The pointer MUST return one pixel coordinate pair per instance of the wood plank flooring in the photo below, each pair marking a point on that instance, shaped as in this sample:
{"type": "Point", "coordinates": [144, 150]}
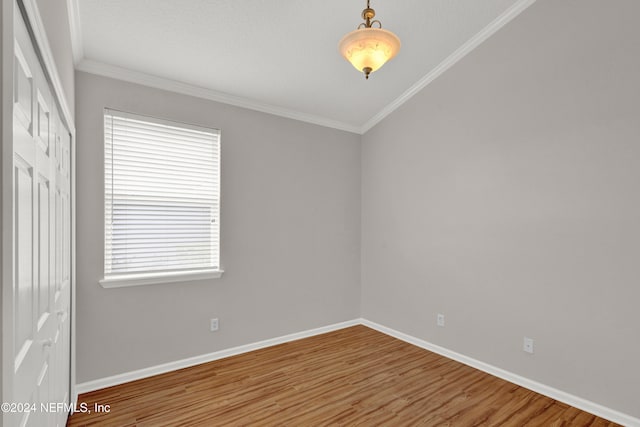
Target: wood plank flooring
{"type": "Point", "coordinates": [354, 376]}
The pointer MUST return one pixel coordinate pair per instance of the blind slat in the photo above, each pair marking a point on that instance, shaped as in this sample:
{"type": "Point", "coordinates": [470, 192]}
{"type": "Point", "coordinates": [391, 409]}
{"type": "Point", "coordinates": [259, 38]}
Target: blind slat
{"type": "Point", "coordinates": [159, 270]}
{"type": "Point", "coordinates": [158, 154]}
{"type": "Point", "coordinates": [143, 125]}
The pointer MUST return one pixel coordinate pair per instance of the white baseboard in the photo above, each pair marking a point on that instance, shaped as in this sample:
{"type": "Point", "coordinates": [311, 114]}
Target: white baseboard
{"type": "Point", "coordinates": [553, 393]}
{"type": "Point", "coordinates": [192, 361]}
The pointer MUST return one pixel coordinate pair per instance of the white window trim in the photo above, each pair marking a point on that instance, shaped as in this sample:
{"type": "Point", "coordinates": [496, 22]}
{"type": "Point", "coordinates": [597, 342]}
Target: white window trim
{"type": "Point", "coordinates": [126, 280]}
{"type": "Point", "coordinates": [154, 278]}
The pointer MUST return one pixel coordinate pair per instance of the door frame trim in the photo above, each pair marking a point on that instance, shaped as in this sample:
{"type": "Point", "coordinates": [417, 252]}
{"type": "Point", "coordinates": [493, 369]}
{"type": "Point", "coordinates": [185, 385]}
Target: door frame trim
{"type": "Point", "coordinates": [6, 231]}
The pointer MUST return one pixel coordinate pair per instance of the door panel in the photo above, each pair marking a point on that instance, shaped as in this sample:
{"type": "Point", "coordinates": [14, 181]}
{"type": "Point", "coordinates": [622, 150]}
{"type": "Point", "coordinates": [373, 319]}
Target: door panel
{"type": "Point", "coordinates": [44, 120]}
{"type": "Point", "coordinates": [44, 297]}
{"type": "Point", "coordinates": [22, 90]}
{"type": "Point", "coordinates": [24, 291]}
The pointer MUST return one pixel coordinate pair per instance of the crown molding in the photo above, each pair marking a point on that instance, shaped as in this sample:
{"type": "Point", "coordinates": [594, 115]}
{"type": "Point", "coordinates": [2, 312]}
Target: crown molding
{"type": "Point", "coordinates": [456, 56]}
{"type": "Point", "coordinates": [106, 70]}
{"type": "Point", "coordinates": [75, 27]}
{"type": "Point", "coordinates": [112, 71]}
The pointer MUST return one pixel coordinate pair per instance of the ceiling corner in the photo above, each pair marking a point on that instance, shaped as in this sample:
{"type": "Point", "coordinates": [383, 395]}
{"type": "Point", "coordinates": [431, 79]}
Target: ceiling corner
{"type": "Point", "coordinates": [149, 80]}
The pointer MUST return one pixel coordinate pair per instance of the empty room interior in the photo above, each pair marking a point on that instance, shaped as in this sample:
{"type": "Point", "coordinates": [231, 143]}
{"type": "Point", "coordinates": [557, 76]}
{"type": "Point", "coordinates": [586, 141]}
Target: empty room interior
{"type": "Point", "coordinates": [295, 213]}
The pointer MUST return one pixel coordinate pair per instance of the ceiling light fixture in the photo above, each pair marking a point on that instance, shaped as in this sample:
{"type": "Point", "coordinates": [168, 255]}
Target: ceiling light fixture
{"type": "Point", "coordinates": [368, 47]}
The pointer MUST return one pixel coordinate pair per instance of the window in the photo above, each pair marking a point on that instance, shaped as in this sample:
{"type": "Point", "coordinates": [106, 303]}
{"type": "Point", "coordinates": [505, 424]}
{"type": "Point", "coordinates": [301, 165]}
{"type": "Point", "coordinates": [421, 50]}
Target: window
{"type": "Point", "coordinates": [161, 201]}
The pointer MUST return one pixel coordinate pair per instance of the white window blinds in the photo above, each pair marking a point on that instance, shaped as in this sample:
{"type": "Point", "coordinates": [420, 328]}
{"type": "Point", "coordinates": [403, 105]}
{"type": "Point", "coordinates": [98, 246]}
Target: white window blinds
{"type": "Point", "coordinates": [162, 196]}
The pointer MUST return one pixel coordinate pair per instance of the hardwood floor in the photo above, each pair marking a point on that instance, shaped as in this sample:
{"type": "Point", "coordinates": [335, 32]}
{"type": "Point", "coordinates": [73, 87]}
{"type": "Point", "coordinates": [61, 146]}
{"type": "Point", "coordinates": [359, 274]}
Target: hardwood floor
{"type": "Point", "coordinates": [354, 376]}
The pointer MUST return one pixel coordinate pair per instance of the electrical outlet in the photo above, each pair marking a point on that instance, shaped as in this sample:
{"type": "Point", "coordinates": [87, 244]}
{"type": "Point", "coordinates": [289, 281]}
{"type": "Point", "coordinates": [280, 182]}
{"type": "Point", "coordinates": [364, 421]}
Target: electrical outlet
{"type": "Point", "coordinates": [528, 345]}
{"type": "Point", "coordinates": [440, 320]}
{"type": "Point", "coordinates": [214, 325]}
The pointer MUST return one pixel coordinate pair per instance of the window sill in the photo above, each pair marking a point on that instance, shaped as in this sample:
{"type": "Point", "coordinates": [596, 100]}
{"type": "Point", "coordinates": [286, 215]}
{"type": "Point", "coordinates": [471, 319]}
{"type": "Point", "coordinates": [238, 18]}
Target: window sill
{"type": "Point", "coordinates": [122, 281]}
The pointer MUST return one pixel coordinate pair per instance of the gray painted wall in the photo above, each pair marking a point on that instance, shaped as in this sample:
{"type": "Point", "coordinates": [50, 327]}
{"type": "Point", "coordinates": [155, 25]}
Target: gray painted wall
{"type": "Point", "coordinates": [505, 195]}
{"type": "Point", "coordinates": [55, 17]}
{"type": "Point", "coordinates": [290, 236]}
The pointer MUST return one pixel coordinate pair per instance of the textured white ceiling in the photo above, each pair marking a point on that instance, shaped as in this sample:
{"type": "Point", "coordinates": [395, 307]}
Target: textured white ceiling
{"type": "Point", "coordinates": [281, 53]}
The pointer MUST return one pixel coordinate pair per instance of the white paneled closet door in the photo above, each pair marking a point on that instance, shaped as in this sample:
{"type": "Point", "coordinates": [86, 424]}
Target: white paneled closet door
{"type": "Point", "coordinates": [42, 243]}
